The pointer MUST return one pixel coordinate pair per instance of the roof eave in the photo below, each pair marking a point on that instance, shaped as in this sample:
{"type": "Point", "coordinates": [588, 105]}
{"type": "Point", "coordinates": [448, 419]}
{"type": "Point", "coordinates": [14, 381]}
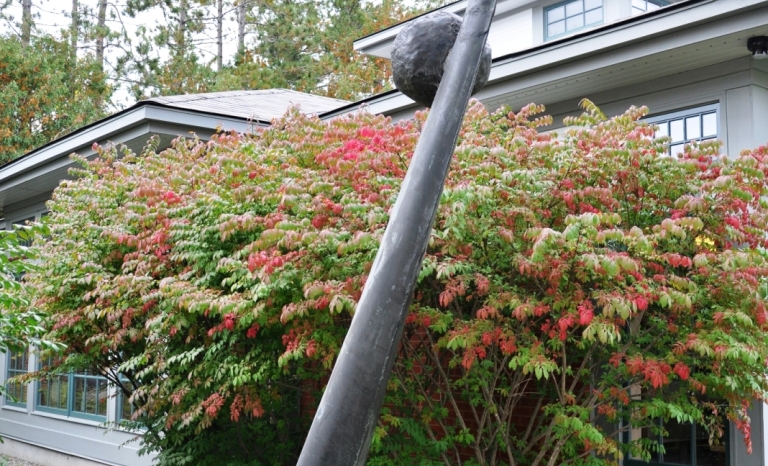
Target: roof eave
{"type": "Point", "coordinates": [103, 130]}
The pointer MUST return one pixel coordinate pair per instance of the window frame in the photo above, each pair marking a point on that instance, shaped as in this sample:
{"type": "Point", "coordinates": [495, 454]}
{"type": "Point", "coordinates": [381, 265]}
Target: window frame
{"type": "Point", "coordinates": [11, 372]}
{"type": "Point", "coordinates": [554, 6]}
{"type": "Point", "coordinates": [683, 114]}
{"type": "Point", "coordinates": [102, 384]}
{"type": "Point", "coordinates": [692, 441]}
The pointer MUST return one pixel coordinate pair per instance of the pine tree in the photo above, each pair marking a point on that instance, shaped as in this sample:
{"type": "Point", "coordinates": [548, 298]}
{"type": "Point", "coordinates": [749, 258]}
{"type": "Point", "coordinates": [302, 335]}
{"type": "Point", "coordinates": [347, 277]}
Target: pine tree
{"type": "Point", "coordinates": [182, 71]}
{"type": "Point", "coordinates": [44, 94]}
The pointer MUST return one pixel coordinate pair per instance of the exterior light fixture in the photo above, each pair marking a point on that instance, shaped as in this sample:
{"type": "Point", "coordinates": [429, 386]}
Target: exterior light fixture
{"type": "Point", "coordinates": [758, 46]}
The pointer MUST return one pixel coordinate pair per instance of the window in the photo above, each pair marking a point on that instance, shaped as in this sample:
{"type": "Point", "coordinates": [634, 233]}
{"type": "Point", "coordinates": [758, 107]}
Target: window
{"type": "Point", "coordinates": [696, 124]}
{"type": "Point", "coordinates": [571, 16]}
{"type": "Point", "coordinates": [643, 6]}
{"type": "Point", "coordinates": [124, 406]}
{"type": "Point", "coordinates": [18, 364]}
{"type": "Point", "coordinates": [686, 444]}
{"type": "Point", "coordinates": [78, 394]}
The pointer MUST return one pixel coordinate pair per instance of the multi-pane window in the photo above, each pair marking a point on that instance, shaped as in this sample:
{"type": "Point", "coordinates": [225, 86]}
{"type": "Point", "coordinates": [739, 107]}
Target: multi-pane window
{"type": "Point", "coordinates": [571, 16]}
{"type": "Point", "coordinates": [693, 125]}
{"type": "Point", "coordinates": [18, 364]}
{"type": "Point", "coordinates": [643, 6]}
{"type": "Point", "coordinates": [90, 394]}
{"type": "Point", "coordinates": [685, 444]}
{"type": "Point", "coordinates": [79, 394]}
{"type": "Point", "coordinates": [53, 393]}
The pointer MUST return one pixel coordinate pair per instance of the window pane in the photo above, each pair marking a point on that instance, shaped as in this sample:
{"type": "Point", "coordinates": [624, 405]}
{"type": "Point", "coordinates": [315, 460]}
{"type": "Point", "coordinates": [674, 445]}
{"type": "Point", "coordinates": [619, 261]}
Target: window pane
{"type": "Point", "coordinates": [91, 395]}
{"type": "Point", "coordinates": [706, 454]}
{"type": "Point", "coordinates": [639, 4]}
{"type": "Point", "coordinates": [594, 16]}
{"type": "Point", "coordinates": [126, 409]}
{"type": "Point", "coordinates": [574, 8]}
{"type": "Point", "coordinates": [648, 434]}
{"type": "Point", "coordinates": [662, 131]}
{"type": "Point", "coordinates": [555, 14]}
{"type": "Point", "coordinates": [710, 124]}
{"type": "Point", "coordinates": [590, 4]}
{"type": "Point", "coordinates": [79, 401]}
{"type": "Point", "coordinates": [43, 393]}
{"type": "Point", "coordinates": [676, 130]}
{"type": "Point", "coordinates": [692, 128]}
{"type": "Point", "coordinates": [677, 445]}
{"type": "Point", "coordinates": [102, 394]}
{"type": "Point", "coordinates": [653, 6]}
{"type": "Point", "coordinates": [677, 149]}
{"type": "Point", "coordinates": [63, 391]}
{"type": "Point", "coordinates": [556, 28]}
{"type": "Point", "coordinates": [574, 23]}
{"type": "Point", "coordinates": [52, 392]}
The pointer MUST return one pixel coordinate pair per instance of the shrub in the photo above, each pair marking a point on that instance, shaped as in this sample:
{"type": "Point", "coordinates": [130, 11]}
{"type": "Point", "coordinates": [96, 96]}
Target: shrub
{"type": "Point", "coordinates": [574, 287]}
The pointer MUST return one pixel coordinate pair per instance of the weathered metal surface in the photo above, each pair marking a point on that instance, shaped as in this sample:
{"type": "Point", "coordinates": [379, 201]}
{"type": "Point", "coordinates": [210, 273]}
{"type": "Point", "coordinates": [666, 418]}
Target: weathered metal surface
{"type": "Point", "coordinates": [345, 420]}
{"type": "Point", "coordinates": [419, 54]}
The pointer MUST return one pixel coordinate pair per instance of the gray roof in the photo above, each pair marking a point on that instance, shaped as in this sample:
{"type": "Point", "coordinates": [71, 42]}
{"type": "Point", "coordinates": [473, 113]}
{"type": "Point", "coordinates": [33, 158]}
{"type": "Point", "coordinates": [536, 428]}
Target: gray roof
{"type": "Point", "coordinates": [262, 105]}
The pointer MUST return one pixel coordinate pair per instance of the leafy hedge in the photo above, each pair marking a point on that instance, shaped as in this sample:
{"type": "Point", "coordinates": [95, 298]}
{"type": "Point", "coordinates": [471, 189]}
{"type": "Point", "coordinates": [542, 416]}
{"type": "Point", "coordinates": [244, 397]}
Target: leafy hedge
{"type": "Point", "coordinates": [571, 283]}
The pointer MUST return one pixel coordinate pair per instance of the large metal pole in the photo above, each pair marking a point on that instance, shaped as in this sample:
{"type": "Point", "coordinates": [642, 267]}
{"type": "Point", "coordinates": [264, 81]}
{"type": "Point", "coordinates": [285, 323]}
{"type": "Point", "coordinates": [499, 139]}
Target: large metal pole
{"type": "Point", "coordinates": [349, 410]}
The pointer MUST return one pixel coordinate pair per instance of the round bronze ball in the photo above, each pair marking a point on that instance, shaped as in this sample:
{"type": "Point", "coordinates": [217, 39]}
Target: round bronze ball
{"type": "Point", "coordinates": [419, 53]}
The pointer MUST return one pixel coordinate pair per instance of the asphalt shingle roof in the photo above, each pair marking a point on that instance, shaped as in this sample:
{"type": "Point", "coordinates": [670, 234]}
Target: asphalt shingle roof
{"type": "Point", "coordinates": [263, 105]}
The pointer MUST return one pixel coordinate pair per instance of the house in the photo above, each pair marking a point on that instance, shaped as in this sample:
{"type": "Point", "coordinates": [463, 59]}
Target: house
{"type": "Point", "coordinates": [689, 61]}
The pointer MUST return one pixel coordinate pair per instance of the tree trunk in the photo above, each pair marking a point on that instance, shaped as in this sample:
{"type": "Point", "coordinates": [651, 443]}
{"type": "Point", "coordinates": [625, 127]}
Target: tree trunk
{"type": "Point", "coordinates": [240, 27]}
{"type": "Point", "coordinates": [100, 26]}
{"type": "Point", "coordinates": [26, 22]}
{"type": "Point", "coordinates": [181, 32]}
{"type": "Point", "coordinates": [74, 28]}
{"type": "Point", "coordinates": [220, 35]}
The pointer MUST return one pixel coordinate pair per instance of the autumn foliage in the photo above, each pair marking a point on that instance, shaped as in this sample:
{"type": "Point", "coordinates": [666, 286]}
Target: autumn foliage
{"type": "Point", "coordinates": [576, 286]}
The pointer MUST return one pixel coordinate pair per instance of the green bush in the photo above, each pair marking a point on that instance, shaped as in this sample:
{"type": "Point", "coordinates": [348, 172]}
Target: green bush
{"type": "Point", "coordinates": [570, 283]}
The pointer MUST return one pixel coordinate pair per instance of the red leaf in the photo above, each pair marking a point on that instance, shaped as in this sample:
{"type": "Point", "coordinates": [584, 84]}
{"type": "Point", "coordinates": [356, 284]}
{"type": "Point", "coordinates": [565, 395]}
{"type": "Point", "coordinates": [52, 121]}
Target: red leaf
{"type": "Point", "coordinates": [682, 371]}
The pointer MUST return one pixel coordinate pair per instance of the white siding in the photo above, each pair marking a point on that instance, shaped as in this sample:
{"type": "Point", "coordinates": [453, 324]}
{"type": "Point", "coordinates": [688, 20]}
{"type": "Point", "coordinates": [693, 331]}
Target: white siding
{"type": "Point", "coordinates": [511, 33]}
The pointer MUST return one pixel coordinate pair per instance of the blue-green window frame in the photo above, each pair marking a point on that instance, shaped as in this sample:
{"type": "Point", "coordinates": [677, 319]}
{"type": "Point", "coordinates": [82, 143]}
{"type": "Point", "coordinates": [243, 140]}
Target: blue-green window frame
{"type": "Point", "coordinates": [548, 9]}
{"type": "Point", "coordinates": [72, 409]}
{"type": "Point", "coordinates": [13, 371]}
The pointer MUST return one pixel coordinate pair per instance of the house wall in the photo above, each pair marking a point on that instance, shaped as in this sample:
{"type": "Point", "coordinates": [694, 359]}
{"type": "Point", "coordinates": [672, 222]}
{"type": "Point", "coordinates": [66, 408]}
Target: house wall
{"type": "Point", "coordinates": [511, 33]}
{"type": "Point", "coordinates": [740, 89]}
{"type": "Point", "coordinates": [529, 17]}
